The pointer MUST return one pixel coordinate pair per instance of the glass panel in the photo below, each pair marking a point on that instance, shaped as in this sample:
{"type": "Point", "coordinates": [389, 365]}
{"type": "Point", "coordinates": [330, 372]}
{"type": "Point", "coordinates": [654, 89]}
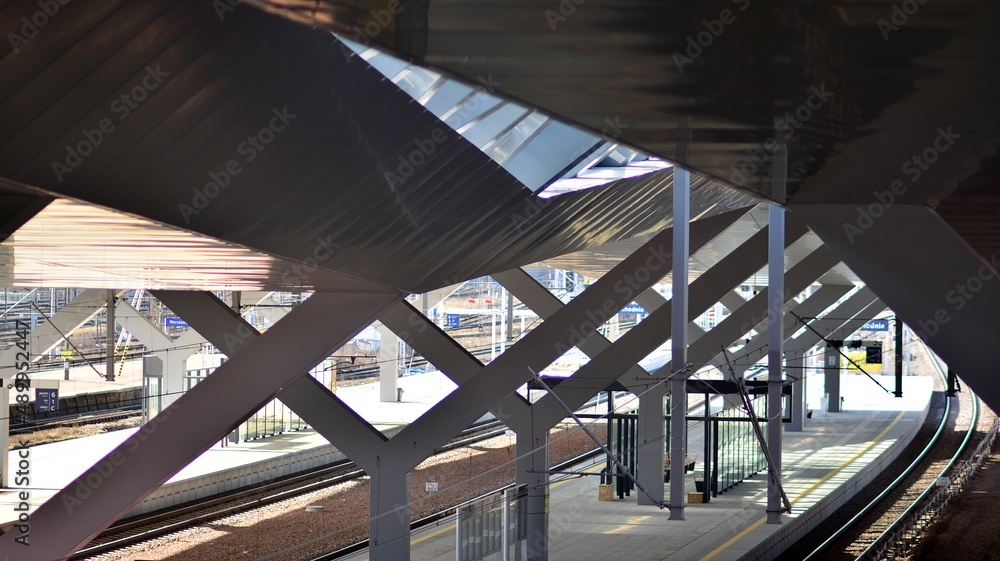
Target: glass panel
{"type": "Point", "coordinates": [508, 143]}
{"type": "Point", "coordinates": [415, 81]}
{"type": "Point", "coordinates": [492, 125]}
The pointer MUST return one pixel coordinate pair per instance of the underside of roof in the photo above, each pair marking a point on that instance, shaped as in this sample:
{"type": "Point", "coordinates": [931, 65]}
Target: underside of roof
{"type": "Point", "coordinates": [261, 133]}
{"type": "Point", "coordinates": [865, 95]}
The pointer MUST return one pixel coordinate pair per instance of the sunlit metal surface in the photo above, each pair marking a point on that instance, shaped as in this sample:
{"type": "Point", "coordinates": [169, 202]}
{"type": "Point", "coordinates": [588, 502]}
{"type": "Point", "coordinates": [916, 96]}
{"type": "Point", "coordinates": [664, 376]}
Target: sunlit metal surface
{"type": "Point", "coordinates": [596, 261]}
{"type": "Point", "coordinates": [73, 244]}
{"type": "Point", "coordinates": [548, 156]}
{"type": "Point", "coordinates": [346, 157]}
{"type": "Point", "coordinates": [858, 88]}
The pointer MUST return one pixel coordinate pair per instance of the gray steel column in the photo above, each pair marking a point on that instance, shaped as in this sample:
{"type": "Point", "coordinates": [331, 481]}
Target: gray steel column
{"type": "Point", "coordinates": [679, 326]}
{"type": "Point", "coordinates": [388, 365]}
{"type": "Point", "coordinates": [831, 369]}
{"type": "Point", "coordinates": [796, 366]}
{"type": "Point", "coordinates": [532, 470]}
{"type": "Point", "coordinates": [389, 509]}
{"type": "Point", "coordinates": [776, 338]}
{"type": "Point", "coordinates": [776, 325]}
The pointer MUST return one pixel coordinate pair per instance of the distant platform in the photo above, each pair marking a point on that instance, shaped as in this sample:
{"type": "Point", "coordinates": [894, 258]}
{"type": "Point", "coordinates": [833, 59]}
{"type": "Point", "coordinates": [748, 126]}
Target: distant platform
{"type": "Point", "coordinates": [56, 465]}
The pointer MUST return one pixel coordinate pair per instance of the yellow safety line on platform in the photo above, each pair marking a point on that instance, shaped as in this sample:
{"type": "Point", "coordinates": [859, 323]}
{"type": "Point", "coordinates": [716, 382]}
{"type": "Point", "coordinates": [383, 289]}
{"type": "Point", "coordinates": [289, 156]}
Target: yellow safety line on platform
{"type": "Point", "coordinates": [807, 490]}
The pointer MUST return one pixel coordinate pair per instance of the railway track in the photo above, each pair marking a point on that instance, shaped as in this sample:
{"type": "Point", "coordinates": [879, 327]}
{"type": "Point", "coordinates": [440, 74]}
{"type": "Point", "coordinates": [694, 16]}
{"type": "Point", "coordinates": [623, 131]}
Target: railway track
{"type": "Point", "coordinates": [133, 531]}
{"type": "Point", "coordinates": [858, 527]}
{"type": "Point", "coordinates": [76, 420]}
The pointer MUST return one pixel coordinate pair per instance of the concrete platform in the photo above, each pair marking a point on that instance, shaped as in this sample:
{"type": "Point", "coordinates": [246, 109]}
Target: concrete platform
{"type": "Point", "coordinates": [836, 455]}
{"type": "Point", "coordinates": [54, 466]}
{"type": "Point", "coordinates": [825, 464]}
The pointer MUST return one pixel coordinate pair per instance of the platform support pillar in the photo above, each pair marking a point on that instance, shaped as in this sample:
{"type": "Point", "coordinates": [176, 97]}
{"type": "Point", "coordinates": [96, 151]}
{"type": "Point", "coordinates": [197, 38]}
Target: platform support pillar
{"type": "Point", "coordinates": [679, 341]}
{"type": "Point", "coordinates": [652, 429]}
{"type": "Point", "coordinates": [532, 471]}
{"type": "Point", "coordinates": [796, 365]}
{"type": "Point", "coordinates": [831, 371]}
{"type": "Point", "coordinates": [388, 365]}
{"type": "Point", "coordinates": [775, 330]}
{"type": "Point", "coordinates": [389, 507]}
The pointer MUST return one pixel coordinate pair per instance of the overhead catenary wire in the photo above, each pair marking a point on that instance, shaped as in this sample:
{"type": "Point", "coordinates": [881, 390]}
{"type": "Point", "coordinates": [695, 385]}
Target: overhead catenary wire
{"type": "Point", "coordinates": [842, 353]}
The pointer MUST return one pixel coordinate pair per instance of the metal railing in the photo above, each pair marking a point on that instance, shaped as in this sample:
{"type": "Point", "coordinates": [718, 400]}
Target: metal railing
{"type": "Point", "coordinates": [493, 527]}
{"type": "Point", "coordinates": [900, 538]}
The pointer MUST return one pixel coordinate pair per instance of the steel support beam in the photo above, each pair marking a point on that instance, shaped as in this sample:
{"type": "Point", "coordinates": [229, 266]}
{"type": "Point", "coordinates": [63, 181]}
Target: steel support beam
{"type": "Point", "coordinates": [775, 357]}
{"type": "Point", "coordinates": [309, 399]}
{"type": "Point", "coordinates": [68, 319]}
{"type": "Point", "coordinates": [756, 348]}
{"type": "Point", "coordinates": [536, 350]}
{"type": "Point", "coordinates": [451, 358]}
{"type": "Point", "coordinates": [656, 328]}
{"type": "Point", "coordinates": [566, 328]}
{"type": "Point", "coordinates": [173, 354]}
{"type": "Point", "coordinates": [389, 491]}
{"type": "Point", "coordinates": [173, 360]}
{"type": "Point", "coordinates": [195, 422]}
{"type": "Point", "coordinates": [654, 428]}
{"type": "Point", "coordinates": [544, 303]}
{"type": "Point", "coordinates": [856, 306]}
{"type": "Point", "coordinates": [741, 320]}
{"type": "Point", "coordinates": [954, 310]}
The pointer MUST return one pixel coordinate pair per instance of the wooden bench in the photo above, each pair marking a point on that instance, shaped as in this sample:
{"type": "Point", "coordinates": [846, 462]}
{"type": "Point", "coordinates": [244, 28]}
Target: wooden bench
{"type": "Point", "coordinates": [688, 466]}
